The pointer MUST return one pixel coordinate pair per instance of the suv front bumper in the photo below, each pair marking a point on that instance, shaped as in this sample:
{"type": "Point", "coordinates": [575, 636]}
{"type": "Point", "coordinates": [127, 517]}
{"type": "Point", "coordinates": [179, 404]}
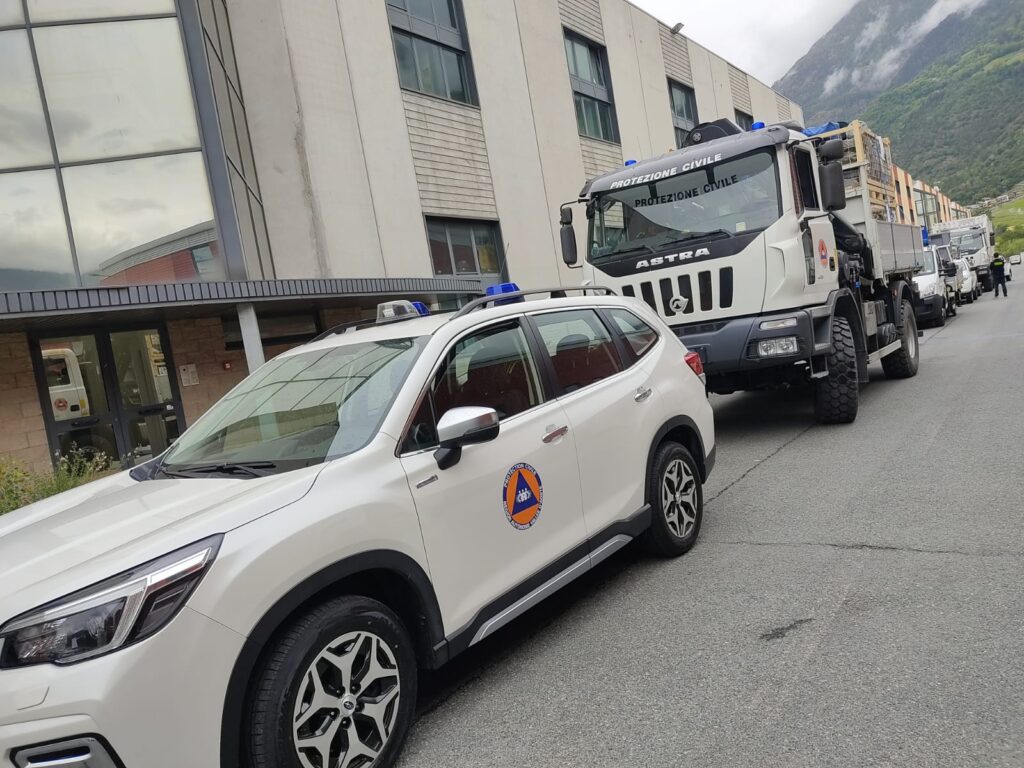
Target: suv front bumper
{"type": "Point", "coordinates": [156, 704]}
{"type": "Point", "coordinates": [929, 308]}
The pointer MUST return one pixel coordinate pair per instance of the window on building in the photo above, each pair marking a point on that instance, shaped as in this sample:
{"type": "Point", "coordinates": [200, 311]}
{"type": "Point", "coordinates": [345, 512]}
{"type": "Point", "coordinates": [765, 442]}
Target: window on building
{"type": "Point", "coordinates": [684, 110]}
{"type": "Point", "coordinates": [744, 121]}
{"type": "Point", "coordinates": [465, 248]}
{"type": "Point", "coordinates": [591, 86]}
{"type": "Point", "coordinates": [431, 48]}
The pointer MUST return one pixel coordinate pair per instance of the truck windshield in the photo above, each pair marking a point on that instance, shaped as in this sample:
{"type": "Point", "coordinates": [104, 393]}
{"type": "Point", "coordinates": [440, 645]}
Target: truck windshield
{"type": "Point", "coordinates": [735, 196]}
{"type": "Point", "coordinates": [971, 243]}
{"type": "Point", "coordinates": [929, 264]}
{"type": "Point", "coordinates": [296, 411]}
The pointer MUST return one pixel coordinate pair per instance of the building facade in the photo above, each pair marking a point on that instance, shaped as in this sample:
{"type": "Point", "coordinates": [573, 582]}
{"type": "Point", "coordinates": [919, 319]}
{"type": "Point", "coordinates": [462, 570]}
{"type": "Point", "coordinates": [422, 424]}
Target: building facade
{"type": "Point", "coordinates": [189, 187]}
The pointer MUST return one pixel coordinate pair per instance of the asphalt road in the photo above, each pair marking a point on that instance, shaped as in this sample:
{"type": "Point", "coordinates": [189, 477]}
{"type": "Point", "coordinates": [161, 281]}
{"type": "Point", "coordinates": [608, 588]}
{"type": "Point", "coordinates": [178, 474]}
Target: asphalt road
{"type": "Point", "coordinates": [856, 598]}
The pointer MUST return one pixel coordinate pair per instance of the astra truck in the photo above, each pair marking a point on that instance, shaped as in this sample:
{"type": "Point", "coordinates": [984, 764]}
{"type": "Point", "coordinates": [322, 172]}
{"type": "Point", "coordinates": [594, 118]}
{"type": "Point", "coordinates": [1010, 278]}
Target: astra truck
{"type": "Point", "coordinates": [736, 242]}
{"type": "Point", "coordinates": [976, 240]}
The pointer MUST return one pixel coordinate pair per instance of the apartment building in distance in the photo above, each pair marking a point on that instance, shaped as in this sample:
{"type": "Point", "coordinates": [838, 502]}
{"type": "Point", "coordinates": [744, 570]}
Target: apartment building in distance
{"type": "Point", "coordinates": [190, 186]}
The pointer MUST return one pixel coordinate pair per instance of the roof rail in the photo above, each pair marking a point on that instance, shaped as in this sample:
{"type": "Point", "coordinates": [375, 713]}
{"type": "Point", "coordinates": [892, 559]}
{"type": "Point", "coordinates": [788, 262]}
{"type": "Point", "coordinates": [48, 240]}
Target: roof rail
{"type": "Point", "coordinates": [349, 326]}
{"type": "Point", "coordinates": [554, 293]}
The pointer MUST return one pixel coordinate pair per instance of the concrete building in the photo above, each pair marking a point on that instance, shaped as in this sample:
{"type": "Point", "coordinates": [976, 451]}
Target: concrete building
{"type": "Point", "coordinates": [190, 186]}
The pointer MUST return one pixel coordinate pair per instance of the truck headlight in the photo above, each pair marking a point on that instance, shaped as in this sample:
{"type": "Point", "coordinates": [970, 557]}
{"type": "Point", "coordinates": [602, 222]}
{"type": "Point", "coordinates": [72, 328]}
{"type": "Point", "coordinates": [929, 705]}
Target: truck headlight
{"type": "Point", "coordinates": [785, 345]}
{"type": "Point", "coordinates": [928, 292]}
{"type": "Point", "coordinates": [109, 615]}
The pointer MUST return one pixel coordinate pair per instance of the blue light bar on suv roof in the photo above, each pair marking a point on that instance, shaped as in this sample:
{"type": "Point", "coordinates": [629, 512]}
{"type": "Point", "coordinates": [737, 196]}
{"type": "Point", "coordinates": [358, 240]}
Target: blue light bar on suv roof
{"type": "Point", "coordinates": [500, 288]}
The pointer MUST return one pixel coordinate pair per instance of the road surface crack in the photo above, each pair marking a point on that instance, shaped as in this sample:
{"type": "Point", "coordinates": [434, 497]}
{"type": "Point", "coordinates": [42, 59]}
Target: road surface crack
{"type": "Point", "coordinates": [780, 632]}
{"type": "Point", "coordinates": [870, 547]}
{"type": "Point", "coordinates": [759, 462]}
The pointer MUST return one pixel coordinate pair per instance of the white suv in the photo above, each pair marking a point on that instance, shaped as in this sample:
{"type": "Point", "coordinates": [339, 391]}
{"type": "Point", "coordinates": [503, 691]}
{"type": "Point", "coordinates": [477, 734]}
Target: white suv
{"type": "Point", "coordinates": [369, 504]}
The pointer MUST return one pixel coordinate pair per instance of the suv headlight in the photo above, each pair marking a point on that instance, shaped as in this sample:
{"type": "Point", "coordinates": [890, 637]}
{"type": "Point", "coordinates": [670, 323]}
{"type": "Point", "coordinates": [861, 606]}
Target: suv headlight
{"type": "Point", "coordinates": [109, 615]}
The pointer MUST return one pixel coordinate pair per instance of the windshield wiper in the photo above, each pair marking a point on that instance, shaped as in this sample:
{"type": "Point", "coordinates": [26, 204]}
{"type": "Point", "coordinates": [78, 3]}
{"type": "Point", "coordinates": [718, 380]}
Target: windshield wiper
{"type": "Point", "coordinates": [250, 468]}
{"type": "Point", "coordinates": [720, 233]}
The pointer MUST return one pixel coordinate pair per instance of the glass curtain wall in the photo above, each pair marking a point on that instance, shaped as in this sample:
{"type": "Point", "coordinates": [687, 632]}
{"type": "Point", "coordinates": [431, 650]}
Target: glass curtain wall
{"type": "Point", "coordinates": [102, 175]}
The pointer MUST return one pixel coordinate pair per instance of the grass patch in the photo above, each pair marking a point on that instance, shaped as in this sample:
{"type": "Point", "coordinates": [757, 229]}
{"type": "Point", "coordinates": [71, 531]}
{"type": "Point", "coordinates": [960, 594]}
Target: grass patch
{"type": "Point", "coordinates": [1008, 220]}
{"type": "Point", "coordinates": [20, 487]}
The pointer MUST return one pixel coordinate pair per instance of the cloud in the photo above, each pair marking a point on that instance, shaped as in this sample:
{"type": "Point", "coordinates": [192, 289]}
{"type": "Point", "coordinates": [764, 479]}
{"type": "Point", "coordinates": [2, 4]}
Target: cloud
{"type": "Point", "coordinates": [834, 80]}
{"type": "Point", "coordinates": [890, 62]}
{"type": "Point", "coordinates": [122, 206]}
{"type": "Point", "coordinates": [872, 30]}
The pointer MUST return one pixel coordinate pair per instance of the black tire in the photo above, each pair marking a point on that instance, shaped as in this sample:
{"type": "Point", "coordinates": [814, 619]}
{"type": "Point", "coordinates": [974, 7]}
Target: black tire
{"type": "Point", "coordinates": [903, 363]}
{"type": "Point", "coordinates": [281, 678]}
{"type": "Point", "coordinates": [970, 296]}
{"type": "Point", "coordinates": [837, 397]}
{"type": "Point", "coordinates": [663, 538]}
{"type": "Point", "coordinates": [941, 319]}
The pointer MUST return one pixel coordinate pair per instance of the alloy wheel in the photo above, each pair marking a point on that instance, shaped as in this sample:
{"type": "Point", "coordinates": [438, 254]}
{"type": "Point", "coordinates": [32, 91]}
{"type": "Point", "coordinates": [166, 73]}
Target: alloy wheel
{"type": "Point", "coordinates": [347, 703]}
{"type": "Point", "coordinates": [679, 498]}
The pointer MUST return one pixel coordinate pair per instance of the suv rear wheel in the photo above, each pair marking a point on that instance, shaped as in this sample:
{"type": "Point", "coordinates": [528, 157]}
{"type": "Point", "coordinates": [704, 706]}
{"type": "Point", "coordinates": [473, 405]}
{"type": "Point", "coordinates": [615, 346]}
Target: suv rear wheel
{"type": "Point", "coordinates": [676, 497]}
{"type": "Point", "coordinates": [338, 688]}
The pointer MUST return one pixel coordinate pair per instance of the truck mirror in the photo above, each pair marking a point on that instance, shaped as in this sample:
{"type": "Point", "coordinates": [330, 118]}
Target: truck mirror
{"type": "Point", "coordinates": [833, 189]}
{"type": "Point", "coordinates": [831, 150]}
{"type": "Point", "coordinates": [565, 215]}
{"type": "Point", "coordinates": [568, 235]}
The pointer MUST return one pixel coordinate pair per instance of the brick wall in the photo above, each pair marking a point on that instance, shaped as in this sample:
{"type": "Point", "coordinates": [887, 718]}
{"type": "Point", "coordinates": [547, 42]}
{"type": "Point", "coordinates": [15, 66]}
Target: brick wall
{"type": "Point", "coordinates": [201, 342]}
{"type": "Point", "coordinates": [22, 431]}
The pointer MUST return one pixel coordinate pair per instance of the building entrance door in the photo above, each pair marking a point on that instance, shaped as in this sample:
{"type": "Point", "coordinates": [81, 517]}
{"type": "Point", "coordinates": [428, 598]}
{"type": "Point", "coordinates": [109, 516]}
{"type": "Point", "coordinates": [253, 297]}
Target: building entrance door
{"type": "Point", "coordinates": [109, 392]}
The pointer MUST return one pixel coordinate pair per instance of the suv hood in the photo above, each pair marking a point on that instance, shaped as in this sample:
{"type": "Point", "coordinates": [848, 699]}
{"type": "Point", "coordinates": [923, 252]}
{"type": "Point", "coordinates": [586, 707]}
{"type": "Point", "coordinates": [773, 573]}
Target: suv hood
{"type": "Point", "coordinates": [90, 533]}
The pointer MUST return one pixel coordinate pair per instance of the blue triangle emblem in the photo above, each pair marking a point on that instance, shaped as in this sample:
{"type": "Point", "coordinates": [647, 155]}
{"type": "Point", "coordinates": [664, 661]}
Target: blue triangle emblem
{"type": "Point", "coordinates": [525, 499]}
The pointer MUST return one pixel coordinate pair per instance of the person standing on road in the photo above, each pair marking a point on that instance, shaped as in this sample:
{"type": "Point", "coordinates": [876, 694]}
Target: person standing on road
{"type": "Point", "coordinates": [998, 270]}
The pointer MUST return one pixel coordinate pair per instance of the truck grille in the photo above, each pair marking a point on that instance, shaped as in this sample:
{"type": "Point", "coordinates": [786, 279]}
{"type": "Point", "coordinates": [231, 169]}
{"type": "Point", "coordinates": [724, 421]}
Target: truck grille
{"type": "Point", "coordinates": [701, 296]}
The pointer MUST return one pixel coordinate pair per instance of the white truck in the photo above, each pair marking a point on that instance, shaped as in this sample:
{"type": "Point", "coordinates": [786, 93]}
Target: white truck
{"type": "Point", "coordinates": [976, 239]}
{"type": "Point", "coordinates": [735, 242]}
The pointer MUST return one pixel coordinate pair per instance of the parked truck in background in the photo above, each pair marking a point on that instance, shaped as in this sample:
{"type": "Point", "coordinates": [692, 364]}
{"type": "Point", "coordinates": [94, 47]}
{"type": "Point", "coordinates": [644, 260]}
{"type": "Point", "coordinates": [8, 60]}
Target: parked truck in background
{"type": "Point", "coordinates": [735, 241]}
{"type": "Point", "coordinates": [976, 240]}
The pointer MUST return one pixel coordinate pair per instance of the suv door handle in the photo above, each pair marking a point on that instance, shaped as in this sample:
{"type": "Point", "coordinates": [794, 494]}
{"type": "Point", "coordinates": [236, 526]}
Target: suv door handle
{"type": "Point", "coordinates": [642, 393]}
{"type": "Point", "coordinates": [556, 432]}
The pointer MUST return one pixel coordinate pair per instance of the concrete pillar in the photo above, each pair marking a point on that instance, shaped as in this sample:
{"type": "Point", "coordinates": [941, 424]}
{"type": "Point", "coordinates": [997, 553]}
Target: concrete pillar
{"type": "Point", "coordinates": [251, 342]}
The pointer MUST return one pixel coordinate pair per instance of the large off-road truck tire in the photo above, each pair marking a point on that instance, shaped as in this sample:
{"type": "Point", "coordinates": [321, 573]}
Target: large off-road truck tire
{"type": "Point", "coordinates": [903, 363]}
{"type": "Point", "coordinates": [837, 397]}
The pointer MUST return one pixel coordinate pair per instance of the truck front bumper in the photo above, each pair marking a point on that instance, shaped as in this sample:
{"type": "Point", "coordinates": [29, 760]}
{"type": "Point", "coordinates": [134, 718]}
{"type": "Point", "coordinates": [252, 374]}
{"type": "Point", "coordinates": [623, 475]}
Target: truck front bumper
{"type": "Point", "coordinates": [732, 346]}
{"type": "Point", "coordinates": [929, 308]}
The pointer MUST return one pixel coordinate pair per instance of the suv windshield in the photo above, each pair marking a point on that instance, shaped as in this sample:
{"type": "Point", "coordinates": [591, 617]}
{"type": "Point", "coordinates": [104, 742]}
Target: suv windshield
{"type": "Point", "coordinates": [297, 410]}
{"type": "Point", "coordinates": [735, 196]}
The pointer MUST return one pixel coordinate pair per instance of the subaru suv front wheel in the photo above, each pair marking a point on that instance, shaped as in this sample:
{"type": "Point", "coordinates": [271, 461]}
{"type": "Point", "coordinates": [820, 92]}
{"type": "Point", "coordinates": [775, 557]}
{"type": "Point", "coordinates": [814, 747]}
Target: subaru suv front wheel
{"type": "Point", "coordinates": [336, 690]}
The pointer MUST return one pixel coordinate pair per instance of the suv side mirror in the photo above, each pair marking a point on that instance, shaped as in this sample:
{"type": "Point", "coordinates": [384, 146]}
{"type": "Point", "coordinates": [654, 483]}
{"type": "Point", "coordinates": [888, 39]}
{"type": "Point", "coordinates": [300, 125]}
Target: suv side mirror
{"type": "Point", "coordinates": [833, 188]}
{"type": "Point", "coordinates": [568, 236]}
{"type": "Point", "coordinates": [831, 151]}
{"type": "Point", "coordinates": [460, 427]}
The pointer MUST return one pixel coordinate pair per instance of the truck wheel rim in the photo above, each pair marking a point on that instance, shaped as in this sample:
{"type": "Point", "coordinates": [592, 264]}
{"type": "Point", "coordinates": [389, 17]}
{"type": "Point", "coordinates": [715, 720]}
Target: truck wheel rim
{"type": "Point", "coordinates": [679, 498]}
{"type": "Point", "coordinates": [911, 334]}
{"type": "Point", "coordinates": [347, 703]}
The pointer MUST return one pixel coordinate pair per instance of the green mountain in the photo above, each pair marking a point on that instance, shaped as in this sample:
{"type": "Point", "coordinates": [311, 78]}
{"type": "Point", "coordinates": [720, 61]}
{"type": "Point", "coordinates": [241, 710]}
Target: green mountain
{"type": "Point", "coordinates": [943, 78]}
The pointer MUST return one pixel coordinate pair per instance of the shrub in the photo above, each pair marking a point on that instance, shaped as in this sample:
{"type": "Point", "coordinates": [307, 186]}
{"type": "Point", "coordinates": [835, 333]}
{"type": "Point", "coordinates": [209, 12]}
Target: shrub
{"type": "Point", "coordinates": [19, 486]}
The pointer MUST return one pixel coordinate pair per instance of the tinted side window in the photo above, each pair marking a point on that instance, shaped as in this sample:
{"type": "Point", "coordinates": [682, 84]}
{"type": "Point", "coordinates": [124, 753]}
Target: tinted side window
{"type": "Point", "coordinates": [805, 179]}
{"type": "Point", "coordinates": [640, 337]}
{"type": "Point", "coordinates": [492, 368]}
{"type": "Point", "coordinates": [581, 349]}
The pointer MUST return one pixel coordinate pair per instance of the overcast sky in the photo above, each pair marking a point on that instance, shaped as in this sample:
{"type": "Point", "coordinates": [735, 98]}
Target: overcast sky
{"type": "Point", "coordinates": [753, 34]}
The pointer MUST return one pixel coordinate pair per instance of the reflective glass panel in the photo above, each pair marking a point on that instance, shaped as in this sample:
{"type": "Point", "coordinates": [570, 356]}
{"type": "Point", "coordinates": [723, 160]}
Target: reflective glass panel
{"type": "Point", "coordinates": [462, 249]}
{"type": "Point", "coordinates": [487, 249]}
{"type": "Point", "coordinates": [117, 88]}
{"type": "Point", "coordinates": [74, 378]}
{"type": "Point", "coordinates": [34, 249]}
{"type": "Point", "coordinates": [10, 12]}
{"type": "Point", "coordinates": [142, 375]}
{"type": "Point", "coordinates": [60, 10]}
{"type": "Point", "coordinates": [97, 440]}
{"type": "Point", "coordinates": [439, 254]}
{"type": "Point", "coordinates": [428, 60]}
{"type": "Point", "coordinates": [23, 140]}
{"type": "Point", "coordinates": [137, 221]}
{"type": "Point", "coordinates": [406, 62]}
